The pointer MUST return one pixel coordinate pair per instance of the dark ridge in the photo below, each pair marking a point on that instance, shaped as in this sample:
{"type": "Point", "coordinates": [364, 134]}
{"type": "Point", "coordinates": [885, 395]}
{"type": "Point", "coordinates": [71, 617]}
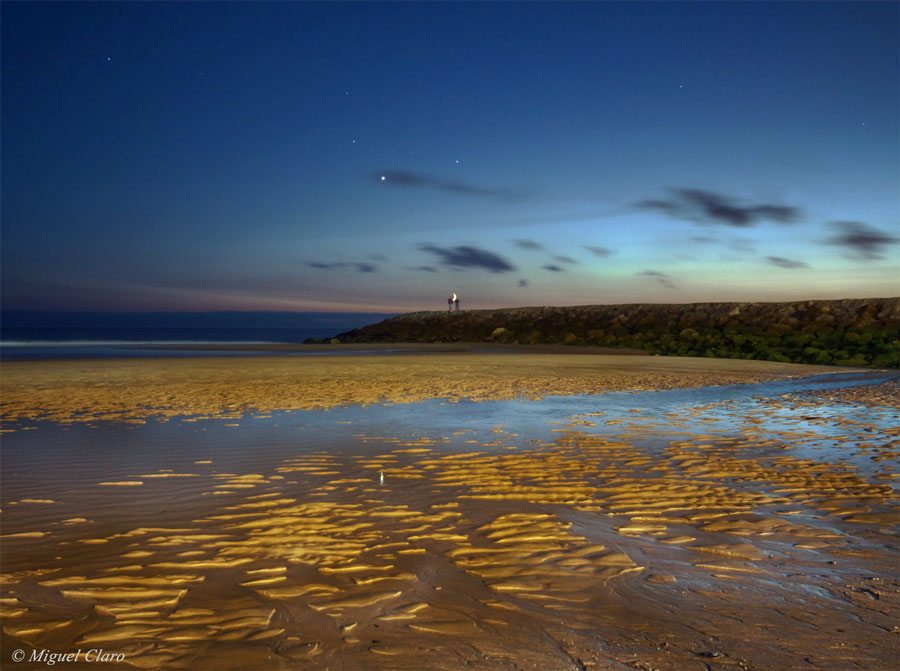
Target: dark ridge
{"type": "Point", "coordinates": [846, 332]}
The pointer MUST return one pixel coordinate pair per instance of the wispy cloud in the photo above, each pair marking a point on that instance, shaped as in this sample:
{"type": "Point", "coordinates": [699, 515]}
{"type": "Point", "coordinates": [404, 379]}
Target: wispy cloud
{"type": "Point", "coordinates": [358, 267]}
{"type": "Point", "coordinates": [565, 259]}
{"type": "Point", "coordinates": [523, 283]}
{"type": "Point", "coordinates": [706, 207]}
{"type": "Point", "coordinates": [662, 278]}
{"type": "Point", "coordinates": [528, 244]}
{"type": "Point", "coordinates": [860, 239]}
{"type": "Point", "coordinates": [743, 245]}
{"type": "Point", "coordinates": [469, 257]}
{"type": "Point", "coordinates": [602, 252]}
{"type": "Point", "coordinates": [408, 179]}
{"type": "Point", "coordinates": [554, 269]}
{"type": "Point", "coordinates": [782, 262]}
{"type": "Point", "coordinates": [425, 269]}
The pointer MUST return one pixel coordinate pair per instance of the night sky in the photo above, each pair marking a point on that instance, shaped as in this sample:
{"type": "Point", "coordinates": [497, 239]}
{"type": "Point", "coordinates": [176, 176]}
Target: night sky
{"type": "Point", "coordinates": [377, 157]}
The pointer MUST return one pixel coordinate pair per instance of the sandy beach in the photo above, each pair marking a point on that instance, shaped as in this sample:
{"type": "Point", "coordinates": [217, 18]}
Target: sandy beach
{"type": "Point", "coordinates": [117, 389]}
{"type": "Point", "coordinates": [209, 529]}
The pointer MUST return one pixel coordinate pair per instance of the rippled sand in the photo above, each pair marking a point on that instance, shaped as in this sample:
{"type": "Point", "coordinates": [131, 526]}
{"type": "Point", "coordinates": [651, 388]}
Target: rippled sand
{"type": "Point", "coordinates": [725, 545]}
{"type": "Point", "coordinates": [886, 394]}
{"type": "Point", "coordinates": [135, 389]}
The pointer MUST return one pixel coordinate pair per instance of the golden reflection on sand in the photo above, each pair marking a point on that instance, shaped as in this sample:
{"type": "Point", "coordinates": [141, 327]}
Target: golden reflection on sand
{"type": "Point", "coordinates": [136, 389]}
{"type": "Point", "coordinates": [725, 548]}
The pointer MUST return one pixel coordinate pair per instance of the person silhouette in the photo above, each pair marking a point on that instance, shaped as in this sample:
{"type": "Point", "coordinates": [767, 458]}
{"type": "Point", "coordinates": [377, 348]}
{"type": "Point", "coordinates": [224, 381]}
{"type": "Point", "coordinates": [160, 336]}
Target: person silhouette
{"type": "Point", "coordinates": [456, 302]}
{"type": "Point", "coordinates": [450, 303]}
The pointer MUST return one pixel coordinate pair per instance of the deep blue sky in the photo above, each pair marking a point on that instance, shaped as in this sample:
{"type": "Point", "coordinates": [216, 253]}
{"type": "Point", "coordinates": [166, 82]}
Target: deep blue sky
{"type": "Point", "coordinates": [376, 157]}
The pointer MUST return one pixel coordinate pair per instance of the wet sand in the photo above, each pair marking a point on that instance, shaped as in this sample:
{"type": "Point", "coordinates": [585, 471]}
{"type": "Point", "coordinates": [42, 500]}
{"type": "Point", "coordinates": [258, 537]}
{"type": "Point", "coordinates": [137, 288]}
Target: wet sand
{"type": "Point", "coordinates": [759, 535]}
{"type": "Point", "coordinates": [886, 394]}
{"type": "Point", "coordinates": [135, 389]}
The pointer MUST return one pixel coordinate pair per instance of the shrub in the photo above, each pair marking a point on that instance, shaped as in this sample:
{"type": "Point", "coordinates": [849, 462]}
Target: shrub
{"type": "Point", "coordinates": [857, 361]}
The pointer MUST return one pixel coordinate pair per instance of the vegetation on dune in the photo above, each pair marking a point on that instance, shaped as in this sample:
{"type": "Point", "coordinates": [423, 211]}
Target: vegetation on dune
{"type": "Point", "coordinates": [873, 347]}
{"type": "Point", "coordinates": [849, 332]}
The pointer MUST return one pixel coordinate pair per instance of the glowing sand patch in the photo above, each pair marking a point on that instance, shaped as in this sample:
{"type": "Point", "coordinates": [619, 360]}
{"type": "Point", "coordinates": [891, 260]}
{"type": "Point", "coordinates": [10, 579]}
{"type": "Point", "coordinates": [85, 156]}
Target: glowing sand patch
{"type": "Point", "coordinates": [491, 556]}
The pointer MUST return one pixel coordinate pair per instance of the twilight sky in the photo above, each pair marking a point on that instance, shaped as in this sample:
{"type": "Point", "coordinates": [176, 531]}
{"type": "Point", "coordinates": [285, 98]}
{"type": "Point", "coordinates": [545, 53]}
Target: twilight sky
{"type": "Point", "coordinates": [376, 156]}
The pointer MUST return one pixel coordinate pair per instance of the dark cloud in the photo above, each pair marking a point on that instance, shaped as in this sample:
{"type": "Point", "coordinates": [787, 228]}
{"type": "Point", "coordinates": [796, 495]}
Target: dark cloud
{"type": "Point", "coordinates": [527, 244]}
{"type": "Point", "coordinates": [404, 178]}
{"type": "Point", "coordinates": [358, 267]}
{"type": "Point", "coordinates": [860, 239]}
{"type": "Point", "coordinates": [782, 262]}
{"type": "Point", "coordinates": [565, 259]}
{"type": "Point", "coordinates": [469, 257]}
{"type": "Point", "coordinates": [523, 283]}
{"type": "Point", "coordinates": [706, 207]}
{"type": "Point", "coordinates": [602, 252]}
{"type": "Point", "coordinates": [425, 269]}
{"type": "Point", "coordinates": [662, 278]}
{"type": "Point", "coordinates": [554, 269]}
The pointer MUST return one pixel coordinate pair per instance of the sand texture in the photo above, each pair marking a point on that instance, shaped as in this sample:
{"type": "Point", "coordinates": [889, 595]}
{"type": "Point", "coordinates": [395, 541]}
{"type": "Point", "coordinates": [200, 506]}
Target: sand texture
{"type": "Point", "coordinates": [709, 536]}
{"type": "Point", "coordinates": [886, 394]}
{"type": "Point", "coordinates": [136, 389]}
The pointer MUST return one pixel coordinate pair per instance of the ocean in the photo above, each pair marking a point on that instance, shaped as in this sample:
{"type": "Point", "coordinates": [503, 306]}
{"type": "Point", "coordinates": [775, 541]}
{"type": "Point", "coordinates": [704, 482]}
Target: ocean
{"type": "Point", "coordinates": [32, 336]}
{"type": "Point", "coordinates": [63, 343]}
